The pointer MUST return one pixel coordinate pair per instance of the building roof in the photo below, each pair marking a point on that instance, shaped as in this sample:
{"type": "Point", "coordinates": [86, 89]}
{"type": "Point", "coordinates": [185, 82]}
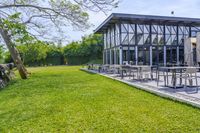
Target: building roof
{"type": "Point", "coordinates": [145, 19]}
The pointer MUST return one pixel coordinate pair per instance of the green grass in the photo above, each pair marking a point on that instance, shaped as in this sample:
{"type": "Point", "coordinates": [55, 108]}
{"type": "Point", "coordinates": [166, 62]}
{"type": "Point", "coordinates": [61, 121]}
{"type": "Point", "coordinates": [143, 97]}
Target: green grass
{"type": "Point", "coordinates": [65, 99]}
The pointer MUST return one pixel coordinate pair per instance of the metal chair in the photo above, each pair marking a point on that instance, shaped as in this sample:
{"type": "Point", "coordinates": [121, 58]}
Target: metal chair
{"type": "Point", "coordinates": [145, 73]}
{"type": "Point", "coordinates": [164, 73]}
{"type": "Point", "coordinates": [190, 75]}
{"type": "Point", "coordinates": [124, 70]}
{"type": "Point", "coordinates": [133, 72]}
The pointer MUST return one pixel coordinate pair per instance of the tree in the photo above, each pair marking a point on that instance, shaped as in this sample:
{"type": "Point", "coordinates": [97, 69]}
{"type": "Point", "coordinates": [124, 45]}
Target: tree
{"type": "Point", "coordinates": [33, 52]}
{"type": "Point", "coordinates": [40, 17]}
{"type": "Point", "coordinates": [89, 48]}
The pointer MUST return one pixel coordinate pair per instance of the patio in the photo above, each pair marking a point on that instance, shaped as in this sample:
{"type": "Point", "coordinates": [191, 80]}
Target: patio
{"type": "Point", "coordinates": [189, 95]}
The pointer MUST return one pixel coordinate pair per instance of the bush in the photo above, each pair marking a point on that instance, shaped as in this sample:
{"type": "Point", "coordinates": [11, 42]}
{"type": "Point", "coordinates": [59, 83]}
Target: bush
{"type": "Point", "coordinates": [38, 53]}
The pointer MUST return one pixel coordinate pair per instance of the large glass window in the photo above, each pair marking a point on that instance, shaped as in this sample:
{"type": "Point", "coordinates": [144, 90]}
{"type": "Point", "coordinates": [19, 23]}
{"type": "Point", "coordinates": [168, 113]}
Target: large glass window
{"type": "Point", "coordinates": [117, 56]}
{"type": "Point", "coordinates": [147, 34]}
{"type": "Point", "coordinates": [181, 55]}
{"type": "Point", "coordinates": [143, 34]}
{"type": "Point", "coordinates": [132, 55]}
{"type": "Point", "coordinates": [157, 34]}
{"type": "Point", "coordinates": [104, 57]}
{"type": "Point", "coordinates": [108, 56]}
{"type": "Point", "coordinates": [112, 57]}
{"type": "Point", "coordinates": [131, 33]}
{"type": "Point", "coordinates": [158, 55]}
{"type": "Point", "coordinates": [168, 55]}
{"type": "Point", "coordinates": [144, 55]}
{"type": "Point", "coordinates": [154, 55]}
{"type": "Point", "coordinates": [183, 33]}
{"type": "Point", "coordinates": [140, 56]}
{"type": "Point", "coordinates": [171, 35]}
{"type": "Point", "coordinates": [140, 33]}
{"type": "Point", "coordinates": [128, 34]}
{"type": "Point", "coordinates": [171, 55]}
{"type": "Point", "coordinates": [124, 34]}
{"type": "Point", "coordinates": [154, 31]}
{"type": "Point", "coordinates": [161, 56]}
{"type": "Point", "coordinates": [125, 55]}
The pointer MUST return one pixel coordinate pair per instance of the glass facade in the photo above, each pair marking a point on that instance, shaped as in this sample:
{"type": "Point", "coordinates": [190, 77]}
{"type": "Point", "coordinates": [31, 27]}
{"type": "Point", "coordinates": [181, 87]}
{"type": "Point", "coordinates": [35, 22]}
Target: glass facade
{"type": "Point", "coordinates": [145, 44]}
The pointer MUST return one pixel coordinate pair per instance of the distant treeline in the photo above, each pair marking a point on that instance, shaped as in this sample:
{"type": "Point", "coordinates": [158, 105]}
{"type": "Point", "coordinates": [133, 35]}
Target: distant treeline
{"type": "Point", "coordinates": [40, 53]}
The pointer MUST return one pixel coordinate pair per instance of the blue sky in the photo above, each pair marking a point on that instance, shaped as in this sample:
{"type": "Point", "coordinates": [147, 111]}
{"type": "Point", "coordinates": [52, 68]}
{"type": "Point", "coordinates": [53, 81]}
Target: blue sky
{"type": "Point", "coordinates": [182, 8]}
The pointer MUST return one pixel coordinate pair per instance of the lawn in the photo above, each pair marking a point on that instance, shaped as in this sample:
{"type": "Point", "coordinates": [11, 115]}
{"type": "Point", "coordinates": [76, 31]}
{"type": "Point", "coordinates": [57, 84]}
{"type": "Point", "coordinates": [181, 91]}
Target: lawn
{"type": "Point", "coordinates": [65, 99]}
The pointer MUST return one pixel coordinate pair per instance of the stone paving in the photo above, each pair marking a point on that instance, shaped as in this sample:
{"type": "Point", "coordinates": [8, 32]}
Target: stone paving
{"type": "Point", "coordinates": [190, 95]}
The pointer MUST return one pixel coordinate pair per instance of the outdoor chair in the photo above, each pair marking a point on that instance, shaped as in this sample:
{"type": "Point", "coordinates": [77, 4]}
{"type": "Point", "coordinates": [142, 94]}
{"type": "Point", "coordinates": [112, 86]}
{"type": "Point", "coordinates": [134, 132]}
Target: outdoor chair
{"type": "Point", "coordinates": [145, 73]}
{"type": "Point", "coordinates": [114, 69]}
{"type": "Point", "coordinates": [124, 70]}
{"type": "Point", "coordinates": [111, 69]}
{"type": "Point", "coordinates": [162, 73]}
{"type": "Point", "coordinates": [133, 72]}
{"type": "Point", "coordinates": [105, 68]}
{"type": "Point", "coordinates": [190, 75]}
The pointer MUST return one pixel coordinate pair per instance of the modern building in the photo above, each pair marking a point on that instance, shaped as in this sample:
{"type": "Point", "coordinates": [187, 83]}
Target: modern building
{"type": "Point", "coordinates": [147, 40]}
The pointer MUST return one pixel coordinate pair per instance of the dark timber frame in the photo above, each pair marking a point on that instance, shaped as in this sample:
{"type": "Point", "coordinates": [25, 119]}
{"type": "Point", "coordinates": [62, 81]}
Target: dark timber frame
{"type": "Point", "coordinates": [146, 40]}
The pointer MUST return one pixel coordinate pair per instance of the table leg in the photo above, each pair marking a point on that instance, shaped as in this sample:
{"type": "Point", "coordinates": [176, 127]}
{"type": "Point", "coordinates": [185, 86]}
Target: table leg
{"type": "Point", "coordinates": [181, 77]}
{"type": "Point", "coordinates": [173, 79]}
{"type": "Point", "coordinates": [122, 74]}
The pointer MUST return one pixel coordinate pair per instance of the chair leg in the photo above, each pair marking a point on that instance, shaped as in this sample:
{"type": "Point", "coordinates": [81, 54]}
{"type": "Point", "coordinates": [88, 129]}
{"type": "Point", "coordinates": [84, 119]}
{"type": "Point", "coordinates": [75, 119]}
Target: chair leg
{"type": "Point", "coordinates": [151, 74]}
{"type": "Point", "coordinates": [185, 83]}
{"type": "Point", "coordinates": [165, 80]}
{"type": "Point", "coordinates": [197, 83]}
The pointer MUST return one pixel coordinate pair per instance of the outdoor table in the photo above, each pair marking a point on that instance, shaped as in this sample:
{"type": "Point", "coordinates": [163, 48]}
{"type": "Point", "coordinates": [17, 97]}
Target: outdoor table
{"type": "Point", "coordinates": [139, 69]}
{"type": "Point", "coordinates": [129, 67]}
{"type": "Point", "coordinates": [114, 68]}
{"type": "Point", "coordinates": [174, 73]}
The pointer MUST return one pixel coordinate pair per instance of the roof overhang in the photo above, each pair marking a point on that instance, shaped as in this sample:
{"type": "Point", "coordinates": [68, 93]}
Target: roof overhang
{"type": "Point", "coordinates": [145, 19]}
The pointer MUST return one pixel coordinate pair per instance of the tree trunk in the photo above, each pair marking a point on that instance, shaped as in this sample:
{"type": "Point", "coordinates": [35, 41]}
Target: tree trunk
{"type": "Point", "coordinates": [14, 54]}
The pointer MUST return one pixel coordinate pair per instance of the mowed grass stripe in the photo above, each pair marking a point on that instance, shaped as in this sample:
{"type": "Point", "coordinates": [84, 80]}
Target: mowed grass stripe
{"type": "Point", "coordinates": [65, 99]}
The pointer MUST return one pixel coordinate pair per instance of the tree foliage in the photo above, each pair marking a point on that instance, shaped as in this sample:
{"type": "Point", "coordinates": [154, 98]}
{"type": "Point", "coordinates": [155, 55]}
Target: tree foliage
{"type": "Point", "coordinates": [33, 52]}
{"type": "Point", "coordinates": [50, 19]}
{"type": "Point", "coordinates": [89, 48]}
{"type": "Point", "coordinates": [38, 53]}
{"type": "Point", "coordinates": [42, 53]}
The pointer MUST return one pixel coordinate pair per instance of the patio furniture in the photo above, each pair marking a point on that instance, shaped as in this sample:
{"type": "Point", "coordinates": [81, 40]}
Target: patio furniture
{"type": "Point", "coordinates": [133, 72]}
{"type": "Point", "coordinates": [176, 72]}
{"type": "Point", "coordinates": [141, 71]}
{"type": "Point", "coordinates": [105, 68]}
{"type": "Point", "coordinates": [190, 75]}
{"type": "Point", "coordinates": [114, 69]}
{"type": "Point", "coordinates": [124, 69]}
{"type": "Point", "coordinates": [145, 73]}
{"type": "Point", "coordinates": [162, 73]}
